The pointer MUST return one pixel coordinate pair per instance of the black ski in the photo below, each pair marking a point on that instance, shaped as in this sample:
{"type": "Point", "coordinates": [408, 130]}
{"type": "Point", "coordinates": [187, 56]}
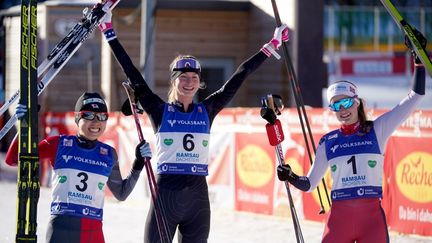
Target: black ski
{"type": "Point", "coordinates": [28, 159]}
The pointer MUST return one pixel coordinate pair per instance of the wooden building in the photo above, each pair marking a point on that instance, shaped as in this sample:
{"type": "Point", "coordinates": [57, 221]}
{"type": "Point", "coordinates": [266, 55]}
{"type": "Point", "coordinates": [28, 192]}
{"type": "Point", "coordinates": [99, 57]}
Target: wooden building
{"type": "Point", "coordinates": [220, 33]}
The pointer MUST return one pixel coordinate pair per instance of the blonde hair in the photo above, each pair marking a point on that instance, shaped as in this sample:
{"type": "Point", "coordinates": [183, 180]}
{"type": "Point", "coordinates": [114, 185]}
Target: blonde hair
{"type": "Point", "coordinates": [172, 94]}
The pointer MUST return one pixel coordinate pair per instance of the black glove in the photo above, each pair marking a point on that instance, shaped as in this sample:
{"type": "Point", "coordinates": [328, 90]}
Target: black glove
{"type": "Point", "coordinates": [285, 173]}
{"type": "Point", "coordinates": [126, 108]}
{"type": "Point", "coordinates": [422, 40]}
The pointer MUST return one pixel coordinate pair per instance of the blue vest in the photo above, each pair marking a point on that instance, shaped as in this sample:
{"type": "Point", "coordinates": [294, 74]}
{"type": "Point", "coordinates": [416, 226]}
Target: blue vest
{"type": "Point", "coordinates": [80, 177]}
{"type": "Point", "coordinates": [183, 141]}
{"type": "Point", "coordinates": [356, 165]}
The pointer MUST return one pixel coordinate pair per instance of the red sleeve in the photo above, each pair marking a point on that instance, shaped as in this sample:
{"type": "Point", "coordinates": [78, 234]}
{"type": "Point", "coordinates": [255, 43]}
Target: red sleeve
{"type": "Point", "coordinates": [12, 153]}
{"type": "Point", "coordinates": [47, 150]}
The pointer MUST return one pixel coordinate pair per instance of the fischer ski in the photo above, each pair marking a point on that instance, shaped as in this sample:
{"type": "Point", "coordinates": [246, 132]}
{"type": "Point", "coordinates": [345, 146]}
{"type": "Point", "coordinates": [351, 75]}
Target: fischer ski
{"type": "Point", "coordinates": [409, 32]}
{"type": "Point", "coordinates": [28, 158]}
{"type": "Point", "coordinates": [61, 54]}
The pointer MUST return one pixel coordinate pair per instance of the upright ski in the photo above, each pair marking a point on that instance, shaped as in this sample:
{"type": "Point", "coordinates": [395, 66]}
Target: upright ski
{"type": "Point", "coordinates": [28, 158]}
{"type": "Point", "coordinates": [60, 55]}
{"type": "Point", "coordinates": [408, 30]}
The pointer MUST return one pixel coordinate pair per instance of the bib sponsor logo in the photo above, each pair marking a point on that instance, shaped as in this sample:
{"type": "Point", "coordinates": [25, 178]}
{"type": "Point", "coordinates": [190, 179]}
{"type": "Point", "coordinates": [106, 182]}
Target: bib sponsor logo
{"type": "Point", "coordinates": [333, 136]}
{"type": "Point", "coordinates": [62, 179]}
{"type": "Point", "coordinates": [171, 108]}
{"type": "Point", "coordinates": [414, 177]}
{"type": "Point", "coordinates": [68, 142]}
{"type": "Point", "coordinates": [350, 145]}
{"type": "Point", "coordinates": [187, 123]}
{"type": "Point", "coordinates": [164, 167]}
{"type": "Point", "coordinates": [333, 168]}
{"type": "Point", "coordinates": [168, 141]}
{"type": "Point", "coordinates": [103, 151]}
{"type": "Point", "coordinates": [85, 211]}
{"type": "Point", "coordinates": [334, 195]}
{"type": "Point", "coordinates": [333, 149]}
{"type": "Point", "coordinates": [67, 158]}
{"type": "Point", "coordinates": [372, 163]}
{"type": "Point", "coordinates": [360, 191]}
{"type": "Point", "coordinates": [172, 122]}
{"type": "Point", "coordinates": [84, 160]}
{"type": "Point", "coordinates": [101, 185]}
{"type": "Point", "coordinates": [205, 143]}
{"type": "Point", "coordinates": [55, 208]}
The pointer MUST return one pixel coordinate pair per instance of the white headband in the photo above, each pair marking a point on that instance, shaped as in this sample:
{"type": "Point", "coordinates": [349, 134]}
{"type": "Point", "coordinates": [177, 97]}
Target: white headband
{"type": "Point", "coordinates": [341, 88]}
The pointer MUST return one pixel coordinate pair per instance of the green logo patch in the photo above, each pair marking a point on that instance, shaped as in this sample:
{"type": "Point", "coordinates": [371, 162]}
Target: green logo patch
{"type": "Point", "coordinates": [62, 179]}
{"type": "Point", "coordinates": [205, 143]}
{"type": "Point", "coordinates": [333, 168]}
{"type": "Point", "coordinates": [372, 163]}
{"type": "Point", "coordinates": [168, 141]}
{"type": "Point", "coordinates": [101, 185]}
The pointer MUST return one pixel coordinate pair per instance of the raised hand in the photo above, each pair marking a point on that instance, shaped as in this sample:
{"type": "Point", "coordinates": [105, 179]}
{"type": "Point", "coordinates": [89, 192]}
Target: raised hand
{"type": "Point", "coordinates": [20, 111]}
{"type": "Point", "coordinates": [422, 40]}
{"type": "Point", "coordinates": [280, 35]}
{"type": "Point", "coordinates": [106, 21]}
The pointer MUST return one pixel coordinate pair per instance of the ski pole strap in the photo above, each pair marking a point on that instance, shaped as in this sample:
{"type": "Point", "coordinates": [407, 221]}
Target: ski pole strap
{"type": "Point", "coordinates": [268, 50]}
{"type": "Point", "coordinates": [110, 34]}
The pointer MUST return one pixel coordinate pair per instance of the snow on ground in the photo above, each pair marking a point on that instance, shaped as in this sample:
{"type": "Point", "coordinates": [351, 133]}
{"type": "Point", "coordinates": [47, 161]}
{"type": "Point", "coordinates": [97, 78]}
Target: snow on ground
{"type": "Point", "coordinates": [124, 223]}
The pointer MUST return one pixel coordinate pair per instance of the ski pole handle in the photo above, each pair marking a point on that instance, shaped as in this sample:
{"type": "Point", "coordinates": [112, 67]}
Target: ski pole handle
{"type": "Point", "coordinates": [131, 97]}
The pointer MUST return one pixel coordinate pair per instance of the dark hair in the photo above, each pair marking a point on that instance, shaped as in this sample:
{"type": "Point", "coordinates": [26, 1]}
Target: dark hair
{"type": "Point", "coordinates": [89, 102]}
{"type": "Point", "coordinates": [365, 124]}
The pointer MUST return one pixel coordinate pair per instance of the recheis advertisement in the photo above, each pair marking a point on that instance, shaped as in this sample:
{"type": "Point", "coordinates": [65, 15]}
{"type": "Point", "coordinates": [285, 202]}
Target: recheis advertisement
{"type": "Point", "coordinates": [242, 163]}
{"type": "Point", "coordinates": [408, 191]}
{"type": "Point", "coordinates": [255, 174]}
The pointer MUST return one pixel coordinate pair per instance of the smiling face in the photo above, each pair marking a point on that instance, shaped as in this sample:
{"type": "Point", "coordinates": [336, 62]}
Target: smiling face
{"type": "Point", "coordinates": [186, 85]}
{"type": "Point", "coordinates": [91, 129]}
{"type": "Point", "coordinates": [346, 116]}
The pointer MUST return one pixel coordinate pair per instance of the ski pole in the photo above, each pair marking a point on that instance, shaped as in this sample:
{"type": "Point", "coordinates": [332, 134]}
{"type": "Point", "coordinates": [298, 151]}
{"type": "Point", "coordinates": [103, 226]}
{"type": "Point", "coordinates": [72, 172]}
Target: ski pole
{"type": "Point", "coordinates": [271, 106]}
{"type": "Point", "coordinates": [300, 107]}
{"type": "Point", "coordinates": [158, 206]}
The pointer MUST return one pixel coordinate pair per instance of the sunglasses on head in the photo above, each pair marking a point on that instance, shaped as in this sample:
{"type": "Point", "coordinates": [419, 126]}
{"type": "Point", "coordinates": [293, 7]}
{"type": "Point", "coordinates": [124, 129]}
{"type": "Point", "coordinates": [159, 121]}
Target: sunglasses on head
{"type": "Point", "coordinates": [186, 63]}
{"type": "Point", "coordinates": [91, 115]}
{"type": "Point", "coordinates": [345, 103]}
